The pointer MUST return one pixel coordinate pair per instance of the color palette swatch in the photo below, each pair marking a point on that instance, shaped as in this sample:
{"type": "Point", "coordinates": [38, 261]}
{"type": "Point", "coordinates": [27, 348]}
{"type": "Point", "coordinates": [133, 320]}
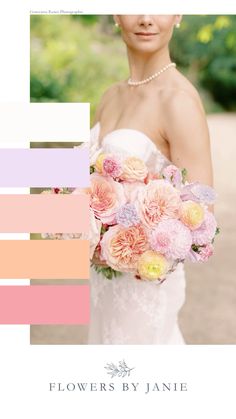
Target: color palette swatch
{"type": "Point", "coordinates": [56, 122]}
{"type": "Point", "coordinates": [44, 304]}
{"type": "Point", "coordinates": [50, 213]}
{"type": "Point", "coordinates": [65, 212]}
{"type": "Point", "coordinates": [44, 167]}
{"type": "Point", "coordinates": [44, 259]}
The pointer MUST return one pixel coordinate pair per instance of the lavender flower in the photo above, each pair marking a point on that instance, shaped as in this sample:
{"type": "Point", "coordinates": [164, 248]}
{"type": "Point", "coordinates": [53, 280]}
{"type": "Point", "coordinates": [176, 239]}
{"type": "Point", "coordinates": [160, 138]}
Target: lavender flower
{"type": "Point", "coordinates": [198, 192]}
{"type": "Point", "coordinates": [204, 193]}
{"type": "Point", "coordinates": [127, 215]}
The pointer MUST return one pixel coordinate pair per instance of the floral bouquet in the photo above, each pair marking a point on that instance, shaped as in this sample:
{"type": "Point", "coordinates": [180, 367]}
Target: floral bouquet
{"type": "Point", "coordinates": [143, 222]}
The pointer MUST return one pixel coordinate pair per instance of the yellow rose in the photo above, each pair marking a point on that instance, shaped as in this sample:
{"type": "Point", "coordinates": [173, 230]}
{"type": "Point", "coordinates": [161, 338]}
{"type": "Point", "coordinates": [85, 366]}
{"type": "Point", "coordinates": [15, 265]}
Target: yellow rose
{"type": "Point", "coordinates": [191, 214]}
{"type": "Point", "coordinates": [152, 265]}
{"type": "Point", "coordinates": [99, 162]}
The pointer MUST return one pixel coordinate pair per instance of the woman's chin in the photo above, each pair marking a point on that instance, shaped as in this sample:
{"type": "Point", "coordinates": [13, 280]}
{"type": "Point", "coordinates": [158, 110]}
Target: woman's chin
{"type": "Point", "coordinates": [145, 47]}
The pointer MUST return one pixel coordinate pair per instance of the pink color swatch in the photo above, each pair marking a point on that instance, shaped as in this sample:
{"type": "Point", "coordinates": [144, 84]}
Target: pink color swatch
{"type": "Point", "coordinates": [44, 213]}
{"type": "Point", "coordinates": [44, 304]}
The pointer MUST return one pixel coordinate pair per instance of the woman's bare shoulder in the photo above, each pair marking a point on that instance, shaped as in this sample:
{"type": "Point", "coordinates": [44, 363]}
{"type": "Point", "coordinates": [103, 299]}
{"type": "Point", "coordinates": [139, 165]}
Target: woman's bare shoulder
{"type": "Point", "coordinates": [111, 92]}
{"type": "Point", "coordinates": [183, 114]}
{"type": "Point", "coordinates": [181, 94]}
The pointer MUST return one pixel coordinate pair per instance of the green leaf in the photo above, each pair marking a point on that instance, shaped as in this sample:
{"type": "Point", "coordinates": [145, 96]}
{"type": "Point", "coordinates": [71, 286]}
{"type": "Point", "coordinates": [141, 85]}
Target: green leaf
{"type": "Point", "coordinates": [184, 175]}
{"type": "Point", "coordinates": [217, 231]}
{"type": "Point", "coordinates": [107, 272]}
{"type": "Point", "coordinates": [195, 248]}
{"type": "Point", "coordinates": [103, 229]}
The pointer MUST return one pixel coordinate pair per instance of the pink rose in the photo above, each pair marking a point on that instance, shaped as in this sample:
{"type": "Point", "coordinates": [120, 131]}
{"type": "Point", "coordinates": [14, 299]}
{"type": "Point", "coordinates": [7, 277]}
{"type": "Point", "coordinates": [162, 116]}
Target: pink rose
{"type": "Point", "coordinates": [157, 201]}
{"type": "Point", "coordinates": [106, 197]}
{"type": "Point", "coordinates": [171, 238]}
{"type": "Point", "coordinates": [112, 166]}
{"type": "Point", "coordinates": [173, 175]}
{"type": "Point", "coordinates": [206, 232]}
{"type": "Point", "coordinates": [202, 255]}
{"type": "Point", "coordinates": [206, 252]}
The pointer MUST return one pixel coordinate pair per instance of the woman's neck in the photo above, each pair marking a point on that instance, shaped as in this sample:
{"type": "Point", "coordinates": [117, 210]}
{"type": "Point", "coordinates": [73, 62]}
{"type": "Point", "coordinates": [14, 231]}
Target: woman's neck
{"type": "Point", "coordinates": [143, 65]}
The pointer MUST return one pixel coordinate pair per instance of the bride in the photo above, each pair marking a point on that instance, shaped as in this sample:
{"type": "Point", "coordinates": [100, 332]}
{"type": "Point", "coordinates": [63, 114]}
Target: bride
{"type": "Point", "coordinates": [155, 114]}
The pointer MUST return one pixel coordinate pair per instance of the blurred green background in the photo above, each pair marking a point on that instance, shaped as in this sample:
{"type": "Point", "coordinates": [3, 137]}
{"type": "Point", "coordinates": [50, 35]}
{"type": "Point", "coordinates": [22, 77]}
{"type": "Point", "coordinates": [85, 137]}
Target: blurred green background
{"type": "Point", "coordinates": [75, 58]}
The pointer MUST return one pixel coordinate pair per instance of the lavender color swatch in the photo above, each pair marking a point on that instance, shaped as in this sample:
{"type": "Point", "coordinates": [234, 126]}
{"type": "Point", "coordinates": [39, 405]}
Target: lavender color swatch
{"type": "Point", "coordinates": [44, 167]}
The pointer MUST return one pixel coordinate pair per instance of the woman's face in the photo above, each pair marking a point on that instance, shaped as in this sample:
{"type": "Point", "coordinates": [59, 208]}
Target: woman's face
{"type": "Point", "coordinates": [147, 33]}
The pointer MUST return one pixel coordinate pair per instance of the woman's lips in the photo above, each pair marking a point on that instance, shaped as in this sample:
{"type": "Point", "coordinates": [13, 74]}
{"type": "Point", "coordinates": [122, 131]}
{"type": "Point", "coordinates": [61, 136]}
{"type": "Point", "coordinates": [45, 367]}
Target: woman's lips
{"type": "Point", "coordinates": [145, 34]}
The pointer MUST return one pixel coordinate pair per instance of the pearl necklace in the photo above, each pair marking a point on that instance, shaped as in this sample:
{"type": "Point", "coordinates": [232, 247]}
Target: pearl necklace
{"type": "Point", "coordinates": [158, 73]}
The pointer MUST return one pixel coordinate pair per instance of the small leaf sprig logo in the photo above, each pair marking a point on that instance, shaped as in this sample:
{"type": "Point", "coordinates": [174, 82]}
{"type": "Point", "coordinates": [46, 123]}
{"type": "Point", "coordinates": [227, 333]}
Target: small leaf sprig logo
{"type": "Point", "coordinates": [120, 371]}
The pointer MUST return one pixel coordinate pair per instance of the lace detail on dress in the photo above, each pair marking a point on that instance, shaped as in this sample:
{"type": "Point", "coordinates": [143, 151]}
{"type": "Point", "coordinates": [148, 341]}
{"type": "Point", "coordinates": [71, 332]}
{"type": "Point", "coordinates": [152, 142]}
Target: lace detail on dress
{"type": "Point", "coordinates": [128, 311]}
{"type": "Point", "coordinates": [127, 301]}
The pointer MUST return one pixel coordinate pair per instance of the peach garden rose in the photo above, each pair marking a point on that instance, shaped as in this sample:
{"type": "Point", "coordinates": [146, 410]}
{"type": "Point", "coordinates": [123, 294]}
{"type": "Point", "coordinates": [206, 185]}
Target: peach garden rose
{"type": "Point", "coordinates": [158, 201]}
{"type": "Point", "coordinates": [122, 247]}
{"type": "Point", "coordinates": [106, 197]}
{"type": "Point", "coordinates": [134, 169]}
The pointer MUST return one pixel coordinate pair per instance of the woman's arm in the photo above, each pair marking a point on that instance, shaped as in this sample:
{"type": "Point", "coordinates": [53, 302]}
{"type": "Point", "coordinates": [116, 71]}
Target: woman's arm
{"type": "Point", "coordinates": [187, 132]}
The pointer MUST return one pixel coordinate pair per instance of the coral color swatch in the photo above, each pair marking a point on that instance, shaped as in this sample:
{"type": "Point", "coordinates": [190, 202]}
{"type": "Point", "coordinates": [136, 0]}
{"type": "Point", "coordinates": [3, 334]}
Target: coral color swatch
{"type": "Point", "coordinates": [44, 304]}
{"type": "Point", "coordinates": [41, 213]}
{"type": "Point", "coordinates": [44, 259]}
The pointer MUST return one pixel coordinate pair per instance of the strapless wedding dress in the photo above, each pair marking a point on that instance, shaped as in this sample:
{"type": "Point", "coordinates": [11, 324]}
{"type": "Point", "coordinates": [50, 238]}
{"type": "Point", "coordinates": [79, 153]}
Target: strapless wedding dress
{"type": "Point", "coordinates": [125, 310]}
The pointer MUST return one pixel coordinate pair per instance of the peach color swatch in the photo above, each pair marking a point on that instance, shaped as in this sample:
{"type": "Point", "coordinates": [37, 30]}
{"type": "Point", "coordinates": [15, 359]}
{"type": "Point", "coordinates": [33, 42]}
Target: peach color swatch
{"type": "Point", "coordinates": [44, 259]}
